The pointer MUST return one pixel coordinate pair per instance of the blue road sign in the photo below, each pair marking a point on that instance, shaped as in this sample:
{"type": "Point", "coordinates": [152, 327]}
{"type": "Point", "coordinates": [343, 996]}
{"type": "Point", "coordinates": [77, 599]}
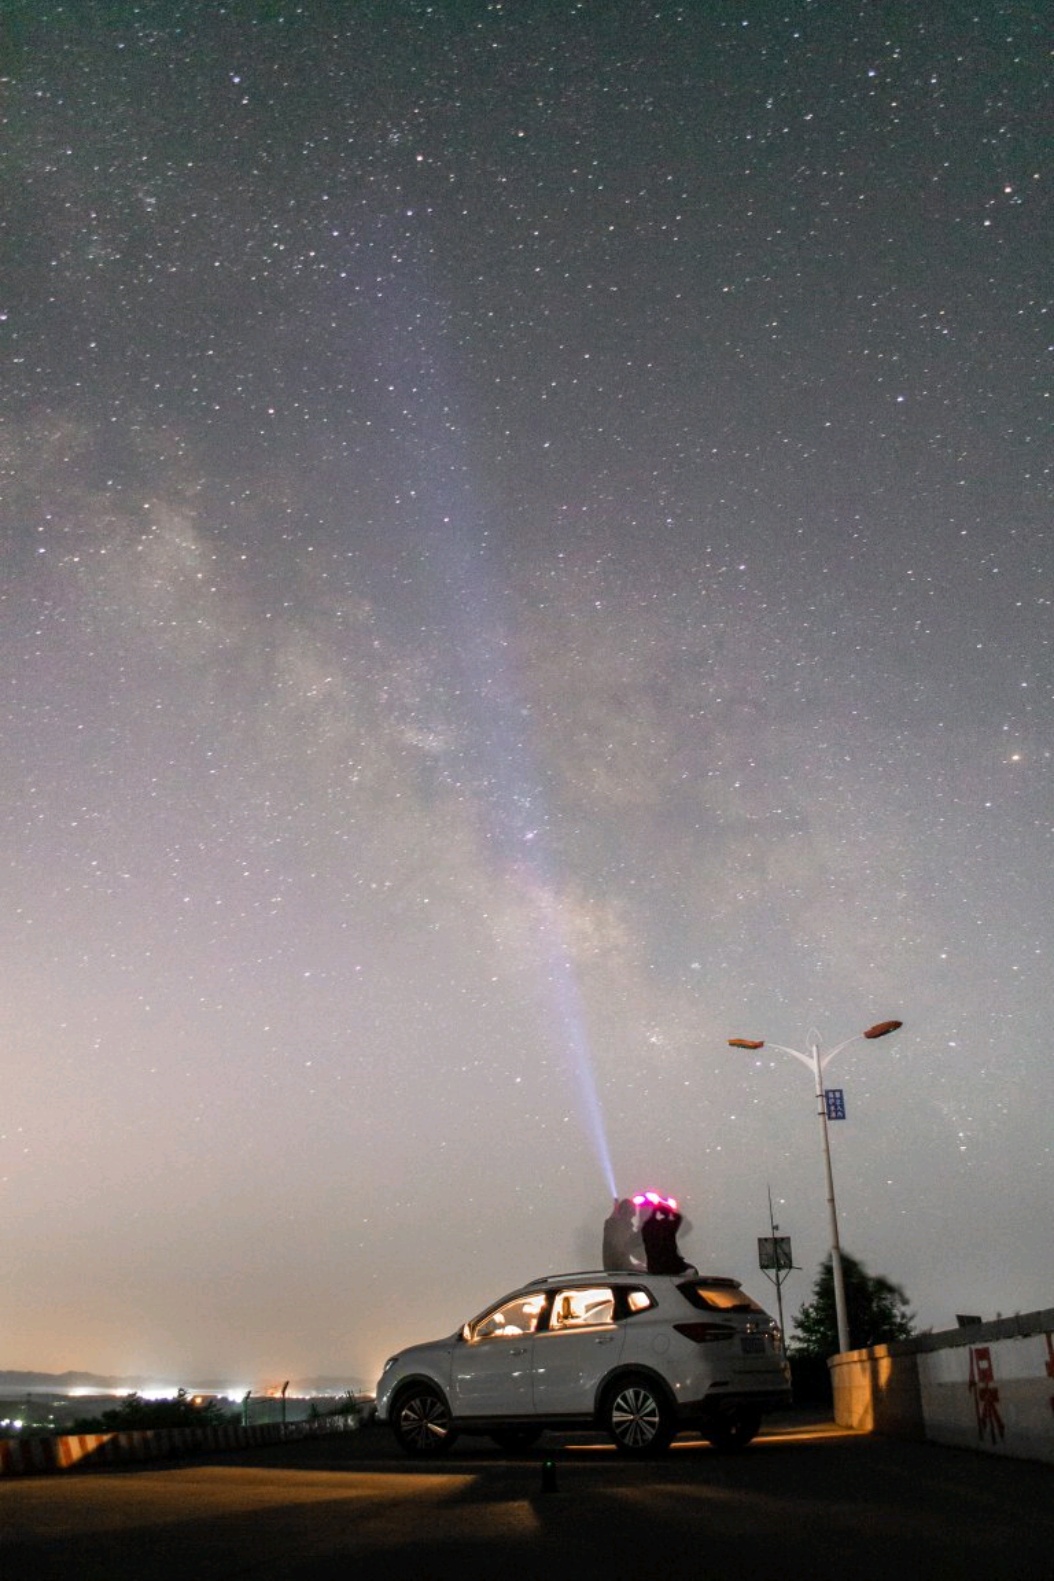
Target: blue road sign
{"type": "Point", "coordinates": [834, 1098]}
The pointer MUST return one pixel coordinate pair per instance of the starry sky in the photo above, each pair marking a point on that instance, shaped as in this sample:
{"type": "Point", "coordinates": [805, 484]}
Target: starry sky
{"type": "Point", "coordinates": [526, 553]}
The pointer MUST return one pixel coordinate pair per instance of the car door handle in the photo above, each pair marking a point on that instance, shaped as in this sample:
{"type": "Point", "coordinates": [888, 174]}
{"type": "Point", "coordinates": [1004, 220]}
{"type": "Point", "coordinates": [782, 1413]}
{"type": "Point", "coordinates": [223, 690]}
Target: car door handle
{"type": "Point", "coordinates": [518, 1350]}
{"type": "Point", "coordinates": [603, 1339]}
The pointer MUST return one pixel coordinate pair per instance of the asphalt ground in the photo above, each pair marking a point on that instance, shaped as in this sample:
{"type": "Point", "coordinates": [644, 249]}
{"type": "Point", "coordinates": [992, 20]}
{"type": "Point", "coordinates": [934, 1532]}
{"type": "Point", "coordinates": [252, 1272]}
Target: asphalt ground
{"type": "Point", "coordinates": [806, 1499]}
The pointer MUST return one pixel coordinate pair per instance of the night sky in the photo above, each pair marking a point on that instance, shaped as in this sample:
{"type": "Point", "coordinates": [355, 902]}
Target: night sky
{"type": "Point", "coordinates": [526, 553]}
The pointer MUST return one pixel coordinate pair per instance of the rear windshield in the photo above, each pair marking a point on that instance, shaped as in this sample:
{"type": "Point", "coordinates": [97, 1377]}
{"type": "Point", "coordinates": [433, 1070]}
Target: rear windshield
{"type": "Point", "coordinates": [718, 1298]}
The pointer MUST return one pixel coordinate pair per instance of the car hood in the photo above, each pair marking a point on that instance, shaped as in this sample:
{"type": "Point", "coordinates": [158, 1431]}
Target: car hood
{"type": "Point", "coordinates": [434, 1359]}
{"type": "Point", "coordinates": [430, 1344]}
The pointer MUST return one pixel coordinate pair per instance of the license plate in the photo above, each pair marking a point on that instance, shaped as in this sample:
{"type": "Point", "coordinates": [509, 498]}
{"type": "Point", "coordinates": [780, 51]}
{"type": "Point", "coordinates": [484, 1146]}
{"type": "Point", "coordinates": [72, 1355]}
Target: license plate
{"type": "Point", "coordinates": [752, 1344]}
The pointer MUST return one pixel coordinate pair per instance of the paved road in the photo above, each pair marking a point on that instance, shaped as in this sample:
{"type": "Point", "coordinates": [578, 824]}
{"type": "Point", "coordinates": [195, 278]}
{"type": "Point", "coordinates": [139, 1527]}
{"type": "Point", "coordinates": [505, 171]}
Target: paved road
{"type": "Point", "coordinates": [804, 1501]}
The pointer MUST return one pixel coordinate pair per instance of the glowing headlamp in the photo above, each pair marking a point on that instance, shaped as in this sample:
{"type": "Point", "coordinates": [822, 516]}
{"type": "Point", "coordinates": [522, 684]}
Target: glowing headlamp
{"type": "Point", "coordinates": [652, 1199]}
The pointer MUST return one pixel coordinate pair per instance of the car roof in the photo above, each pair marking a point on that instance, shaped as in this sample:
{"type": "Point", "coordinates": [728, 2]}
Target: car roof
{"type": "Point", "coordinates": [607, 1275]}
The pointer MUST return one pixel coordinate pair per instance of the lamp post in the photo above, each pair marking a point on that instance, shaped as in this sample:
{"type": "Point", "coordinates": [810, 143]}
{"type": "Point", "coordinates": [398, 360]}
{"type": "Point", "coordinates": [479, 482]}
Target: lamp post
{"type": "Point", "coordinates": [818, 1063]}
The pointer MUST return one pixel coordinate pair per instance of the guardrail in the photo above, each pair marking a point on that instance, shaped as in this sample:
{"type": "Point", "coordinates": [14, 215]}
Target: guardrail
{"type": "Point", "coordinates": [27, 1455]}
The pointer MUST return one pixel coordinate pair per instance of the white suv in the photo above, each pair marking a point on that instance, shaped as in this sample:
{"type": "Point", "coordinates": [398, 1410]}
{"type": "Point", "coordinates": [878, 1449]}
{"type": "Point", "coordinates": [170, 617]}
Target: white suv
{"type": "Point", "coordinates": [639, 1356]}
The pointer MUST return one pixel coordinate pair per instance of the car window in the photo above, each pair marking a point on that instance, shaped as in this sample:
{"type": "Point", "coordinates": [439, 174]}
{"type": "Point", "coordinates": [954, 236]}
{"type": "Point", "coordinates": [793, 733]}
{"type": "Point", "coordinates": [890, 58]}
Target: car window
{"type": "Point", "coordinates": [583, 1308]}
{"type": "Point", "coordinates": [638, 1301]}
{"type": "Point", "coordinates": [718, 1298]}
{"type": "Point", "coordinates": [518, 1316]}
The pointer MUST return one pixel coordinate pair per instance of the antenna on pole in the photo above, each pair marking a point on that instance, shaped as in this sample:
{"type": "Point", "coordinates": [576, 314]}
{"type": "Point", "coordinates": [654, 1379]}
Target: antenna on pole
{"type": "Point", "coordinates": [776, 1260]}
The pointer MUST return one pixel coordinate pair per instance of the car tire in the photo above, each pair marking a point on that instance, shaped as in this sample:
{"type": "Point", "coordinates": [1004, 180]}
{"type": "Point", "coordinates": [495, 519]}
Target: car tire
{"type": "Point", "coordinates": [515, 1439]}
{"type": "Point", "coordinates": [638, 1417]}
{"type": "Point", "coordinates": [733, 1431]}
{"type": "Point", "coordinates": [420, 1420]}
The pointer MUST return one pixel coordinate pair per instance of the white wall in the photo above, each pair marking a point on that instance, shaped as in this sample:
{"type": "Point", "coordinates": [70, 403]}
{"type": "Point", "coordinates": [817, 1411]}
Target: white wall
{"type": "Point", "coordinates": [993, 1394]}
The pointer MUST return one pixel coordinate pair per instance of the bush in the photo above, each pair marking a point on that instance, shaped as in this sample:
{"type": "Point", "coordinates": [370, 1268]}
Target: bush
{"type": "Point", "coordinates": [134, 1413]}
{"type": "Point", "coordinates": [811, 1381]}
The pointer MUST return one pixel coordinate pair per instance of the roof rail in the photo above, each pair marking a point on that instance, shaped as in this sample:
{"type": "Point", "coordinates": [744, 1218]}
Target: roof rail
{"type": "Point", "coordinates": [637, 1273]}
{"type": "Point", "coordinates": [582, 1273]}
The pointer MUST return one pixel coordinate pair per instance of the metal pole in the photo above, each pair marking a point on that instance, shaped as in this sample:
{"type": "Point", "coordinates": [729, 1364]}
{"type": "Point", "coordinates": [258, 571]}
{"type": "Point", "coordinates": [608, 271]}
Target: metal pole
{"type": "Point", "coordinates": [881, 1029]}
{"type": "Point", "coordinates": [837, 1274]}
{"type": "Point", "coordinates": [773, 1227]}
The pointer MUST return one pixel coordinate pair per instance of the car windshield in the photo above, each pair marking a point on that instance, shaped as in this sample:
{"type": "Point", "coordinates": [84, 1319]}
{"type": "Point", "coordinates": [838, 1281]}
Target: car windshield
{"type": "Point", "coordinates": [718, 1298]}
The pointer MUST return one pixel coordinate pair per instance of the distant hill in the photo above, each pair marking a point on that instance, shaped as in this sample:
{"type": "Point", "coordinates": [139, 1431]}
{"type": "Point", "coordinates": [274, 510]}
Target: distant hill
{"type": "Point", "coordinates": [63, 1382]}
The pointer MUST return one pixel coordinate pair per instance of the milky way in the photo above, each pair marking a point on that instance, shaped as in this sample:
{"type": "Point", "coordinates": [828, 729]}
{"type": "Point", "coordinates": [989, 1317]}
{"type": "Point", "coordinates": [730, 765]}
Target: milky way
{"type": "Point", "coordinates": [526, 553]}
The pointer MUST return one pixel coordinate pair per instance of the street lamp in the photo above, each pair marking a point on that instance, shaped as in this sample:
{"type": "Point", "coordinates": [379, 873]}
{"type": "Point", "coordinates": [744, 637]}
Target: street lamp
{"type": "Point", "coordinates": [818, 1064]}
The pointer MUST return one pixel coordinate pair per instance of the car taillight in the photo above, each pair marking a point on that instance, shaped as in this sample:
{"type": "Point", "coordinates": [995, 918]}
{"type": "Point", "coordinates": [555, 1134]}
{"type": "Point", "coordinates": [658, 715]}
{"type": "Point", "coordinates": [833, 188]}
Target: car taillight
{"type": "Point", "coordinates": [705, 1333]}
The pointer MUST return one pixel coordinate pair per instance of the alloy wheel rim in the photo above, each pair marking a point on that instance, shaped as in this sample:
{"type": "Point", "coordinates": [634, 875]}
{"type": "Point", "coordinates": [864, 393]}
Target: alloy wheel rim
{"type": "Point", "coordinates": [423, 1421]}
{"type": "Point", "coordinates": [635, 1417]}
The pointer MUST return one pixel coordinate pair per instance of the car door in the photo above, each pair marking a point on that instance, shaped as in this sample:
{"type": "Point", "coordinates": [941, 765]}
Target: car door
{"type": "Point", "coordinates": [581, 1342]}
{"type": "Point", "coordinates": [491, 1375]}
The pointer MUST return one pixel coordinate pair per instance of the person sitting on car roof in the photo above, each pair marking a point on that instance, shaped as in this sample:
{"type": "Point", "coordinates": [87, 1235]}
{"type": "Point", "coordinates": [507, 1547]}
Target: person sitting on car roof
{"type": "Point", "coordinates": [622, 1242]}
{"type": "Point", "coordinates": [659, 1234]}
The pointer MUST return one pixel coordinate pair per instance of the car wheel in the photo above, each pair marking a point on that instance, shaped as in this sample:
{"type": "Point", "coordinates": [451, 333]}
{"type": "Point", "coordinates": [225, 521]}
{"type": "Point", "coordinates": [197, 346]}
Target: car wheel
{"type": "Point", "coordinates": [513, 1439]}
{"type": "Point", "coordinates": [638, 1417]}
{"type": "Point", "coordinates": [733, 1431]}
{"type": "Point", "coordinates": [421, 1421]}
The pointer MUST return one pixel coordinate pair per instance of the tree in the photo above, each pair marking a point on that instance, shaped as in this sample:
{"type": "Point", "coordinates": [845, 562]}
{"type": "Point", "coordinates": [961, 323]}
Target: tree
{"type": "Point", "coordinates": [876, 1308]}
{"type": "Point", "coordinates": [135, 1412]}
